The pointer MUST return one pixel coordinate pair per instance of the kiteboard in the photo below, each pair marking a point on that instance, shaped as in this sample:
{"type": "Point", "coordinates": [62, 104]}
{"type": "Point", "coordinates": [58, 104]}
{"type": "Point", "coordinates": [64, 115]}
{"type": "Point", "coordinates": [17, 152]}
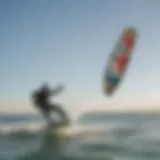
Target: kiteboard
{"type": "Point", "coordinates": [70, 131]}
{"type": "Point", "coordinates": [53, 129]}
{"type": "Point", "coordinates": [118, 60]}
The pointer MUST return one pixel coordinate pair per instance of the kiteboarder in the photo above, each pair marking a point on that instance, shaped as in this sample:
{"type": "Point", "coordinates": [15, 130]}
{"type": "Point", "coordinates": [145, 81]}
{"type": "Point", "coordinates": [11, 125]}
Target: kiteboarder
{"type": "Point", "coordinates": [40, 99]}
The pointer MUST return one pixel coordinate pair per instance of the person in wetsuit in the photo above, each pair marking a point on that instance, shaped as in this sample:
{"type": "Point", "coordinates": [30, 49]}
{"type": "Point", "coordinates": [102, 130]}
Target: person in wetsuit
{"type": "Point", "coordinates": [40, 99]}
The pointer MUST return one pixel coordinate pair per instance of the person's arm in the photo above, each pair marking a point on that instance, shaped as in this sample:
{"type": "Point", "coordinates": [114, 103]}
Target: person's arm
{"type": "Point", "coordinates": [57, 90]}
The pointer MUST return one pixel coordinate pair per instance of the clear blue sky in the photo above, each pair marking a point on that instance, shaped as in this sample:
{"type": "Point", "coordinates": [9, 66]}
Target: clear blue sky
{"type": "Point", "coordinates": [68, 41]}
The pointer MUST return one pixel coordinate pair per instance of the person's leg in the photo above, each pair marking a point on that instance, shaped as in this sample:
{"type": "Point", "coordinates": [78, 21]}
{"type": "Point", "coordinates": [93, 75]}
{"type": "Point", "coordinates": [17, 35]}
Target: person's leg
{"type": "Point", "coordinates": [46, 113]}
{"type": "Point", "coordinates": [57, 108]}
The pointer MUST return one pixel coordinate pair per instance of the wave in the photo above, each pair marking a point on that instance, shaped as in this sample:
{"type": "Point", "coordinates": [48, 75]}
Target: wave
{"type": "Point", "coordinates": [114, 131]}
{"type": "Point", "coordinates": [20, 130]}
{"type": "Point", "coordinates": [35, 130]}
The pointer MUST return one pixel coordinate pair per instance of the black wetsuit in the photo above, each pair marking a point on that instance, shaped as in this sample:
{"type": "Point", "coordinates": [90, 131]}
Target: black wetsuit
{"type": "Point", "coordinates": [41, 101]}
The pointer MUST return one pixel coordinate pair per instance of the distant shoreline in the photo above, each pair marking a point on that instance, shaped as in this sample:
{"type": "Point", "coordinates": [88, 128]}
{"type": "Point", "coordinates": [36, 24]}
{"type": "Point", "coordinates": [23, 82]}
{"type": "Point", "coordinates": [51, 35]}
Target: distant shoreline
{"type": "Point", "coordinates": [101, 112]}
{"type": "Point", "coordinates": [123, 112]}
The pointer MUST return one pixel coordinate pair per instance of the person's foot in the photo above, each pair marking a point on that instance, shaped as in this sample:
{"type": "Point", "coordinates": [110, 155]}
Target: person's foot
{"type": "Point", "coordinates": [66, 122]}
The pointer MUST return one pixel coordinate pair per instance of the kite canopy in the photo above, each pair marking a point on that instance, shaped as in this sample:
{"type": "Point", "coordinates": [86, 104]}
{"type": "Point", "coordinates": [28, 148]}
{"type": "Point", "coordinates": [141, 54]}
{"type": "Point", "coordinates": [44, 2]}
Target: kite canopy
{"type": "Point", "coordinates": [118, 60]}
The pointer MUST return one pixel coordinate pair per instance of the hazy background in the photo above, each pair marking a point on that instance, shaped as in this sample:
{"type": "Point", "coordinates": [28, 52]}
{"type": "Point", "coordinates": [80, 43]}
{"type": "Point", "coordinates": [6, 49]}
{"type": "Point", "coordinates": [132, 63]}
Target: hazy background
{"type": "Point", "coordinates": [69, 42]}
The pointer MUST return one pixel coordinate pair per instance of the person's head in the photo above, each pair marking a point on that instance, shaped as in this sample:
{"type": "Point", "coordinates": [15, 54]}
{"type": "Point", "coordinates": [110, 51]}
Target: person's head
{"type": "Point", "coordinates": [45, 87]}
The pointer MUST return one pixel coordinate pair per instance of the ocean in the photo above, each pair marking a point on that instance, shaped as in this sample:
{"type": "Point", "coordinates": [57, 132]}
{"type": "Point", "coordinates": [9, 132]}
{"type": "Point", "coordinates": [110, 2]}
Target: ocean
{"type": "Point", "coordinates": [114, 137]}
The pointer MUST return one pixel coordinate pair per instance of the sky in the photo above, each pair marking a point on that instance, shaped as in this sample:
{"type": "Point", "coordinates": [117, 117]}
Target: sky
{"type": "Point", "coordinates": [68, 42]}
